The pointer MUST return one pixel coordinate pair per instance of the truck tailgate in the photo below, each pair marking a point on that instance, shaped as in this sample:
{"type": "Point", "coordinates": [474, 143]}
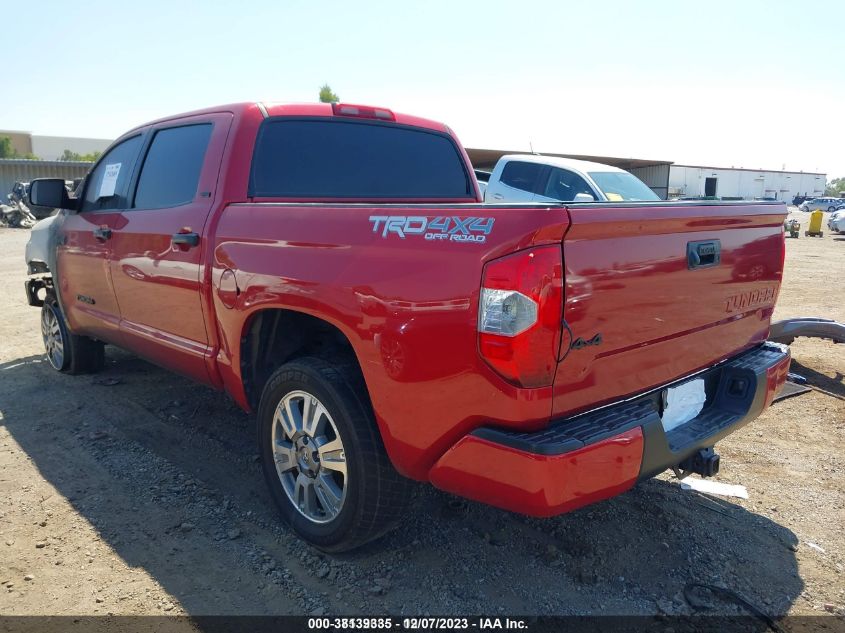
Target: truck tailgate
{"type": "Point", "coordinates": [655, 292]}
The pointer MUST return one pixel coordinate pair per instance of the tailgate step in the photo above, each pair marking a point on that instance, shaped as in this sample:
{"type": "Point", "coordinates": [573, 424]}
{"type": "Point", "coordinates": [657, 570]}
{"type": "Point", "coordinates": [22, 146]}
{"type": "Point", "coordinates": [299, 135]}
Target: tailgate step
{"type": "Point", "coordinates": [575, 433]}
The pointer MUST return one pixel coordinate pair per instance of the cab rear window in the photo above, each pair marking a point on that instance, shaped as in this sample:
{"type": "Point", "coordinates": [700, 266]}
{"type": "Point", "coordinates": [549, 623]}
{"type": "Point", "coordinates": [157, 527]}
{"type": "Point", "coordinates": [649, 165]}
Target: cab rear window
{"type": "Point", "coordinates": [327, 158]}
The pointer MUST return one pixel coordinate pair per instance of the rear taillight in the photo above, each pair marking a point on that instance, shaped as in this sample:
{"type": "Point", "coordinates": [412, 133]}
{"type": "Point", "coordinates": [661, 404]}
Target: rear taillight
{"type": "Point", "coordinates": [362, 112]}
{"type": "Point", "coordinates": [519, 315]}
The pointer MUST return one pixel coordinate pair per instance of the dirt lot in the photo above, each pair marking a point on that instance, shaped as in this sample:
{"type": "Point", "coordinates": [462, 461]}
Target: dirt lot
{"type": "Point", "coordinates": [137, 492]}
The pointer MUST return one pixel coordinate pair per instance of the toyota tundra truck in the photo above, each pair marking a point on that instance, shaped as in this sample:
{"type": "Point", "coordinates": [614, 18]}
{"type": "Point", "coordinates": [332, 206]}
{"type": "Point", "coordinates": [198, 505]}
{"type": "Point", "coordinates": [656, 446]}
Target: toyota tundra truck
{"type": "Point", "coordinates": [331, 267]}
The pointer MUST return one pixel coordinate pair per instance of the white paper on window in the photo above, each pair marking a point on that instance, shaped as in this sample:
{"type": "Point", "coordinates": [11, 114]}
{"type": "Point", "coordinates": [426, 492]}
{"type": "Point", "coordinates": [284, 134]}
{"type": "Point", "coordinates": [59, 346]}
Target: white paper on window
{"type": "Point", "coordinates": [109, 181]}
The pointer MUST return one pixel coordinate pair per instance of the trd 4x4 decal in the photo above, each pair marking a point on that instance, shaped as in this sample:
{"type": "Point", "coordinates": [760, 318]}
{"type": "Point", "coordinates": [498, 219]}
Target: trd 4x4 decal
{"type": "Point", "coordinates": [449, 228]}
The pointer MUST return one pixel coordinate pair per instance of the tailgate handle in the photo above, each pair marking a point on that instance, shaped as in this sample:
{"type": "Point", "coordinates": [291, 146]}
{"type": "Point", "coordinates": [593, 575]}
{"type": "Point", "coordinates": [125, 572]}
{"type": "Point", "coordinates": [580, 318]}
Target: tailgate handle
{"type": "Point", "coordinates": [703, 254]}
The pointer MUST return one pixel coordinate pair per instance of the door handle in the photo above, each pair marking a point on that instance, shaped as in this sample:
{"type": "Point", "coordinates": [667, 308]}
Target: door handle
{"type": "Point", "coordinates": [186, 239]}
{"type": "Point", "coordinates": [102, 233]}
{"type": "Point", "coordinates": [498, 196]}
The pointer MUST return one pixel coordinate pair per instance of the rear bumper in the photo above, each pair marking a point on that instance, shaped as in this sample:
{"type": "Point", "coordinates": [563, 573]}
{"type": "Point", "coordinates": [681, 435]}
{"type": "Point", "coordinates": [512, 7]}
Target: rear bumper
{"type": "Point", "coordinates": [788, 330]}
{"type": "Point", "coordinates": [583, 459]}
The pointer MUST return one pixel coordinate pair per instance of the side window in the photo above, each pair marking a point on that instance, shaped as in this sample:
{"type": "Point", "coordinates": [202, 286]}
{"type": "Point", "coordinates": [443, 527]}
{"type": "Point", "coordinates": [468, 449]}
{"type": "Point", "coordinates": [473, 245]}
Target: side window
{"type": "Point", "coordinates": [108, 183]}
{"type": "Point", "coordinates": [520, 175]}
{"type": "Point", "coordinates": [565, 185]}
{"type": "Point", "coordinates": [172, 167]}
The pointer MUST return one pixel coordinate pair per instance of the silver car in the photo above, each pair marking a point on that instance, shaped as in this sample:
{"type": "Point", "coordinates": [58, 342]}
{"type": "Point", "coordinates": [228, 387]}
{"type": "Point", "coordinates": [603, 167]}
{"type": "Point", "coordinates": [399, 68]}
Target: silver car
{"type": "Point", "coordinates": [823, 204]}
{"type": "Point", "coordinates": [836, 221]}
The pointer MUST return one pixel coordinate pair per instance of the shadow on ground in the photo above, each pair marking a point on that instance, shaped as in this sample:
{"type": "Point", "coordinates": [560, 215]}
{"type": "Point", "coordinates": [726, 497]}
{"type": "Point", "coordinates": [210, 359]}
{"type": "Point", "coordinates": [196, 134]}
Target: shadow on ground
{"type": "Point", "coordinates": [821, 382]}
{"type": "Point", "coordinates": [139, 452]}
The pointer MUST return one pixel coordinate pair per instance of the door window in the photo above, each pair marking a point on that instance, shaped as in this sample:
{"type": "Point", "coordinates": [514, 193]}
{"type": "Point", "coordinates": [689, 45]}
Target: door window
{"type": "Point", "coordinates": [172, 167]}
{"type": "Point", "coordinates": [565, 185]}
{"type": "Point", "coordinates": [108, 183]}
{"type": "Point", "coordinates": [520, 175]}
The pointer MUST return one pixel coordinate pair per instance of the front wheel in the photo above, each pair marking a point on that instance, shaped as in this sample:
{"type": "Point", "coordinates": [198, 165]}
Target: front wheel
{"type": "Point", "coordinates": [323, 457]}
{"type": "Point", "coordinates": [67, 352]}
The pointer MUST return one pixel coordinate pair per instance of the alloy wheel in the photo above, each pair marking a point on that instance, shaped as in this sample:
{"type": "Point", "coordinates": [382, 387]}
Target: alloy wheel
{"type": "Point", "coordinates": [51, 332]}
{"type": "Point", "coordinates": [309, 456]}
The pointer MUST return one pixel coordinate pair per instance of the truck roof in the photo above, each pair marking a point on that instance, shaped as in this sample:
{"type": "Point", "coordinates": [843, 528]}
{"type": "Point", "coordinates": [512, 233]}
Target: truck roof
{"type": "Point", "coordinates": [299, 109]}
{"type": "Point", "coordinates": [558, 161]}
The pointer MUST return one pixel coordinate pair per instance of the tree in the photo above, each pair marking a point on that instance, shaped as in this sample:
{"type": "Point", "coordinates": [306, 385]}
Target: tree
{"type": "Point", "coordinates": [6, 149]}
{"type": "Point", "coordinates": [68, 155]}
{"type": "Point", "coordinates": [835, 187]}
{"type": "Point", "coordinates": [326, 94]}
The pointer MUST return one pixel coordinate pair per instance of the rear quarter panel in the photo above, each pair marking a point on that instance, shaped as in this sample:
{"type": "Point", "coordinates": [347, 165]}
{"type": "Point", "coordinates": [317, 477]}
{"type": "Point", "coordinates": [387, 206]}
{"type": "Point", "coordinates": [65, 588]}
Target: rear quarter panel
{"type": "Point", "coordinates": [407, 305]}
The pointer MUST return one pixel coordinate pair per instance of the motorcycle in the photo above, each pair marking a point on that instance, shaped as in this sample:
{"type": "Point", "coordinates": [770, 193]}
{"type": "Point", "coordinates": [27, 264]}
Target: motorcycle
{"type": "Point", "coordinates": [20, 193]}
{"type": "Point", "coordinates": [16, 214]}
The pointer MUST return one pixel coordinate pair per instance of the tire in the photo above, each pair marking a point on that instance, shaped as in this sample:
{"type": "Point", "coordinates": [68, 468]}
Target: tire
{"type": "Point", "coordinates": [831, 209]}
{"type": "Point", "coordinates": [360, 496]}
{"type": "Point", "coordinates": [67, 352]}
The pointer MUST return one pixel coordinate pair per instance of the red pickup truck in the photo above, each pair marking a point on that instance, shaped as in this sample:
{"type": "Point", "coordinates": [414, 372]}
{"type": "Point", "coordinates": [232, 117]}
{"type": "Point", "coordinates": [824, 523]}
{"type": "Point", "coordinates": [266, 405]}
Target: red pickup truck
{"type": "Point", "coordinates": [331, 267]}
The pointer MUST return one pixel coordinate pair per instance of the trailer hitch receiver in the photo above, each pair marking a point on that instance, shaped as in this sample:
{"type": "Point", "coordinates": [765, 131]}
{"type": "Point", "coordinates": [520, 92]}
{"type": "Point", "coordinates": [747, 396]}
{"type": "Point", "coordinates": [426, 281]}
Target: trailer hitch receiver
{"type": "Point", "coordinates": [705, 462]}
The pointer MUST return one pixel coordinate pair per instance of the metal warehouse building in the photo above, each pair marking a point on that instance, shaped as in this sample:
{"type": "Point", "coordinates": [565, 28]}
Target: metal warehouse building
{"type": "Point", "coordinates": [694, 180]}
{"type": "Point", "coordinates": [669, 180]}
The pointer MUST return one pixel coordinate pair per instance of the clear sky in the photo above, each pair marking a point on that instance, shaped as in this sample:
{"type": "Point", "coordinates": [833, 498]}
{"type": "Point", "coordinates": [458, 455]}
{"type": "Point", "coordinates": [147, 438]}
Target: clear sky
{"type": "Point", "coordinates": [738, 83]}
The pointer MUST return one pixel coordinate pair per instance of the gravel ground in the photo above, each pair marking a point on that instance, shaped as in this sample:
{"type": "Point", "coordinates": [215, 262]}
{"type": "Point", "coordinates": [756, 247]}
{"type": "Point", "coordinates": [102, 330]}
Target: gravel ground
{"type": "Point", "coordinates": [135, 491]}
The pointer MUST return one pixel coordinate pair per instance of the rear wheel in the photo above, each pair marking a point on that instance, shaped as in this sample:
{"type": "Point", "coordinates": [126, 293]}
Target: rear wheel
{"type": "Point", "coordinates": [67, 352]}
{"type": "Point", "coordinates": [323, 457]}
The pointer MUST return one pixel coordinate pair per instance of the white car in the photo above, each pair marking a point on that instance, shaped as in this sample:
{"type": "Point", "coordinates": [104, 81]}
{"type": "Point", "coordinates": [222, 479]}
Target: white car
{"type": "Point", "coordinates": [836, 222]}
{"type": "Point", "coordinates": [537, 178]}
{"type": "Point", "coordinates": [823, 204]}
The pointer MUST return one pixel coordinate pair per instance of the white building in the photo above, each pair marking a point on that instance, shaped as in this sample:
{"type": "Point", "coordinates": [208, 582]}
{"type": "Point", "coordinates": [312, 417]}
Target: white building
{"type": "Point", "coordinates": [722, 182]}
{"type": "Point", "coordinates": [52, 147]}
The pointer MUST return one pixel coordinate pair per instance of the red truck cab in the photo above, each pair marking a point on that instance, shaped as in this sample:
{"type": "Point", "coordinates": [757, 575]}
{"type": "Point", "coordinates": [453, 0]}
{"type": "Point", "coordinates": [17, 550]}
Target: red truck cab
{"type": "Point", "coordinates": [330, 266]}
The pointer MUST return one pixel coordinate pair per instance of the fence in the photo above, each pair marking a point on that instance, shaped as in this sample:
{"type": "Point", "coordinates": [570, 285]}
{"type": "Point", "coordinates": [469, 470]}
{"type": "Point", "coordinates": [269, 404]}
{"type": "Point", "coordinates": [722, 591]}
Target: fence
{"type": "Point", "coordinates": [15, 169]}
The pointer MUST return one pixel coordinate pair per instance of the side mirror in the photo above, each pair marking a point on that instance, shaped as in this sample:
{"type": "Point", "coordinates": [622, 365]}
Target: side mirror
{"type": "Point", "coordinates": [583, 197]}
{"type": "Point", "coordinates": [51, 193]}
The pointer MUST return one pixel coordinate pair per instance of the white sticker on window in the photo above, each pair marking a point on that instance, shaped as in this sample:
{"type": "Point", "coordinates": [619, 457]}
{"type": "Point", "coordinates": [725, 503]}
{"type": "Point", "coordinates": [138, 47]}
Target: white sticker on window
{"type": "Point", "coordinates": [109, 180]}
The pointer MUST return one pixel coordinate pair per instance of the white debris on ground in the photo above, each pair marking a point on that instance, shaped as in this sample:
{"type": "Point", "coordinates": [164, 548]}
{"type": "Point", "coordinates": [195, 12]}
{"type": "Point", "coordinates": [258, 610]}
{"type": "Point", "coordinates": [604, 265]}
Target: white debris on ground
{"type": "Point", "coordinates": [715, 488]}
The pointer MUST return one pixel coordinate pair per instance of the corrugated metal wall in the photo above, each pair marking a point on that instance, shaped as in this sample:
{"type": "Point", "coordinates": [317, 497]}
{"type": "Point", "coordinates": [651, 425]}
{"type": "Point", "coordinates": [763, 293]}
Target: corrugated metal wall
{"type": "Point", "coordinates": [13, 169]}
{"type": "Point", "coordinates": [655, 176]}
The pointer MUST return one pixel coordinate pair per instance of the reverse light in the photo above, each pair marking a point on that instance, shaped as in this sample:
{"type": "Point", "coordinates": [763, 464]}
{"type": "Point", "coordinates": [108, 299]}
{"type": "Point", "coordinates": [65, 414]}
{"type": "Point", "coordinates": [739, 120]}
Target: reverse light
{"type": "Point", "coordinates": [362, 112]}
{"type": "Point", "coordinates": [519, 315]}
{"type": "Point", "coordinates": [506, 312]}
